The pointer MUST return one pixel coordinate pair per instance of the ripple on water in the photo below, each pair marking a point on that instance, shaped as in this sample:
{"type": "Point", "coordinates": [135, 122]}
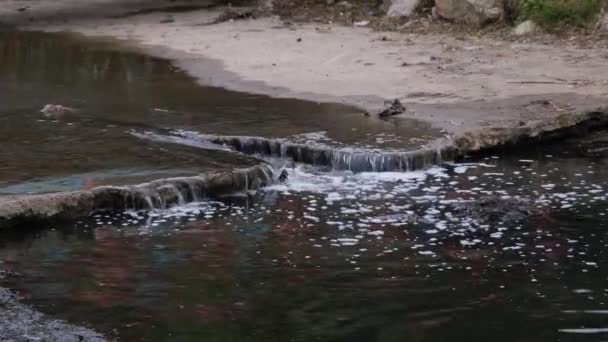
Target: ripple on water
{"type": "Point", "coordinates": [321, 246]}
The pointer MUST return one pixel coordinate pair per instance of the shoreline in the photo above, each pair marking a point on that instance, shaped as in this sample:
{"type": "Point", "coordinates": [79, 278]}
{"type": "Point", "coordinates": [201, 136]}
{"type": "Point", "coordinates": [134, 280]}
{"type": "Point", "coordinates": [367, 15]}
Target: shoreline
{"type": "Point", "coordinates": [480, 93]}
{"type": "Point", "coordinates": [458, 84]}
{"type": "Point", "coordinates": [23, 323]}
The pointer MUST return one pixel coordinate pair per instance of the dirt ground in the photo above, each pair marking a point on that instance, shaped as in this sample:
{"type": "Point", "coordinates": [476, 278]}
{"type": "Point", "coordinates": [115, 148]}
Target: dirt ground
{"type": "Point", "coordinates": [460, 82]}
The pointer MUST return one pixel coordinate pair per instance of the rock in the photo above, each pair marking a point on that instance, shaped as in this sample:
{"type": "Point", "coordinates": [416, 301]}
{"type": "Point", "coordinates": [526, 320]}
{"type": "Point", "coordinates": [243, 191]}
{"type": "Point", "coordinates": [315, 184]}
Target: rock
{"type": "Point", "coordinates": [395, 108]}
{"type": "Point", "coordinates": [525, 28]}
{"type": "Point", "coordinates": [163, 193]}
{"type": "Point", "coordinates": [301, 151]}
{"type": "Point", "coordinates": [400, 8]}
{"type": "Point", "coordinates": [232, 14]}
{"type": "Point", "coordinates": [602, 25]}
{"type": "Point", "coordinates": [594, 145]}
{"type": "Point", "coordinates": [345, 5]}
{"type": "Point", "coordinates": [493, 209]}
{"type": "Point", "coordinates": [434, 13]}
{"type": "Point", "coordinates": [477, 12]}
{"type": "Point", "coordinates": [266, 6]}
{"type": "Point", "coordinates": [283, 176]}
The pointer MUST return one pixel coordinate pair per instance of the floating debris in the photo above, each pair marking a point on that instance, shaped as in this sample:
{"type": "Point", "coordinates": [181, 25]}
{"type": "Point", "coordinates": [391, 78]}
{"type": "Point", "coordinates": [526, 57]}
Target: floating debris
{"type": "Point", "coordinates": [56, 111]}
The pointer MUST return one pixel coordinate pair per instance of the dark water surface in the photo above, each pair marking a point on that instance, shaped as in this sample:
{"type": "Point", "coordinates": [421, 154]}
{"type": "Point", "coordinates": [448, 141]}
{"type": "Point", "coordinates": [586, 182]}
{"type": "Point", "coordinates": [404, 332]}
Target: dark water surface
{"type": "Point", "coordinates": [340, 257]}
{"type": "Point", "coordinates": [326, 256]}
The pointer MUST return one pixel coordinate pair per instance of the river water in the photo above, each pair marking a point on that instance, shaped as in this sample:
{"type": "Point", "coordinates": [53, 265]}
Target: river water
{"type": "Point", "coordinates": [329, 255]}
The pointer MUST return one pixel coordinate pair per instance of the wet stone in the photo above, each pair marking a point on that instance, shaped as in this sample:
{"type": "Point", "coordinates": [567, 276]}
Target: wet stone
{"type": "Point", "coordinates": [595, 145]}
{"type": "Point", "coordinates": [335, 157]}
{"type": "Point", "coordinates": [493, 210]}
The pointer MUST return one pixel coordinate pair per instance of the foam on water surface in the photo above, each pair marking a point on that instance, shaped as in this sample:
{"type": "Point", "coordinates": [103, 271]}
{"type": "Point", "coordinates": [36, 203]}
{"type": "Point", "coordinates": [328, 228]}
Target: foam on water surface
{"type": "Point", "coordinates": [339, 251]}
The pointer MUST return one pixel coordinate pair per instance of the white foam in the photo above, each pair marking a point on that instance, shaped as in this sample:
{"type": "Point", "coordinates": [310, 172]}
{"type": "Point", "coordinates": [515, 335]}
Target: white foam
{"type": "Point", "coordinates": [585, 331]}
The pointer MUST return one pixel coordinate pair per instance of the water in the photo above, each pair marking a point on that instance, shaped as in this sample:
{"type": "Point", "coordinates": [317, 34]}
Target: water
{"type": "Point", "coordinates": [329, 255]}
{"type": "Point", "coordinates": [313, 149]}
{"type": "Point", "coordinates": [340, 257]}
{"type": "Point", "coordinates": [115, 93]}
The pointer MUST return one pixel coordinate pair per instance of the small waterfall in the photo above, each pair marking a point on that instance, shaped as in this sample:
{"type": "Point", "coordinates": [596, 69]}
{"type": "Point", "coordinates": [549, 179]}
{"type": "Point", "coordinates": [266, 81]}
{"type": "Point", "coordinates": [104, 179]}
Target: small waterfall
{"type": "Point", "coordinates": [337, 158]}
{"type": "Point", "coordinates": [149, 203]}
{"type": "Point", "coordinates": [193, 191]}
{"type": "Point", "coordinates": [169, 192]}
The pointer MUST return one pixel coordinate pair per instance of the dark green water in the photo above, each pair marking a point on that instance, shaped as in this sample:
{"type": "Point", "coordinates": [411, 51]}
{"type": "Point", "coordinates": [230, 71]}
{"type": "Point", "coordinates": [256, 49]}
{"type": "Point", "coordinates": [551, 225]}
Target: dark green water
{"type": "Point", "coordinates": [327, 256]}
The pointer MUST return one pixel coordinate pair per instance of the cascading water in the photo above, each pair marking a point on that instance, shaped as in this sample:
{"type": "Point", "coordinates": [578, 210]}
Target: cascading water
{"type": "Point", "coordinates": [338, 158]}
{"type": "Point", "coordinates": [165, 193]}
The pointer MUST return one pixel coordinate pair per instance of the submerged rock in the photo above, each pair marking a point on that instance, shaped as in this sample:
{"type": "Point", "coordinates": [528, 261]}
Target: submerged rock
{"type": "Point", "coordinates": [493, 209]}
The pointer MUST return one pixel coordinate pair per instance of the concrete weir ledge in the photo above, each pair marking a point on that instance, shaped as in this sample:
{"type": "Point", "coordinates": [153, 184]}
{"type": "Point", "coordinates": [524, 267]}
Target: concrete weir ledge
{"type": "Point", "coordinates": [159, 194]}
{"type": "Point", "coordinates": [164, 193]}
{"type": "Point", "coordinates": [484, 93]}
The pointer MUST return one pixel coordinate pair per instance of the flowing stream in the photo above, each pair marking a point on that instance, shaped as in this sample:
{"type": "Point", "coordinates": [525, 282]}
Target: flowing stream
{"type": "Point", "coordinates": [337, 252]}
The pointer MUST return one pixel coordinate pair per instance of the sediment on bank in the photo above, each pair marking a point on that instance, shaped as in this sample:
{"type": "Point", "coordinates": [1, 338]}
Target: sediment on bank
{"type": "Point", "coordinates": [159, 194]}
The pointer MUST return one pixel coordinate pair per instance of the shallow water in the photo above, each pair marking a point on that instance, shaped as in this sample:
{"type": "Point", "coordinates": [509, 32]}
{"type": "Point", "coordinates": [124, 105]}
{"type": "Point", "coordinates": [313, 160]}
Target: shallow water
{"type": "Point", "coordinates": [340, 257]}
{"type": "Point", "coordinates": [115, 92]}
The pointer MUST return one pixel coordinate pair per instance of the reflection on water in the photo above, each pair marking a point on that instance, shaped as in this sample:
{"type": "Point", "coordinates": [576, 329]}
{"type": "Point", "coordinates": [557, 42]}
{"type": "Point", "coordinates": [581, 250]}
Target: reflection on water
{"type": "Point", "coordinates": [337, 257]}
{"type": "Point", "coordinates": [324, 257]}
{"type": "Point", "coordinates": [113, 92]}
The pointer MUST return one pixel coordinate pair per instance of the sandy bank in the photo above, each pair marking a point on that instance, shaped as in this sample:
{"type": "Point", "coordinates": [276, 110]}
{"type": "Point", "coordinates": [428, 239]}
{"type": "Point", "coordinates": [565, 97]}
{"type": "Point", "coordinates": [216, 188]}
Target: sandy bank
{"type": "Point", "coordinates": [476, 77]}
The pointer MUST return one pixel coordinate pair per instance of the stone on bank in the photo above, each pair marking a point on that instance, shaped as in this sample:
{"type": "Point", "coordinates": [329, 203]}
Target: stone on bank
{"type": "Point", "coordinates": [400, 8]}
{"type": "Point", "coordinates": [602, 24]}
{"type": "Point", "coordinates": [525, 28]}
{"type": "Point", "coordinates": [476, 12]}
